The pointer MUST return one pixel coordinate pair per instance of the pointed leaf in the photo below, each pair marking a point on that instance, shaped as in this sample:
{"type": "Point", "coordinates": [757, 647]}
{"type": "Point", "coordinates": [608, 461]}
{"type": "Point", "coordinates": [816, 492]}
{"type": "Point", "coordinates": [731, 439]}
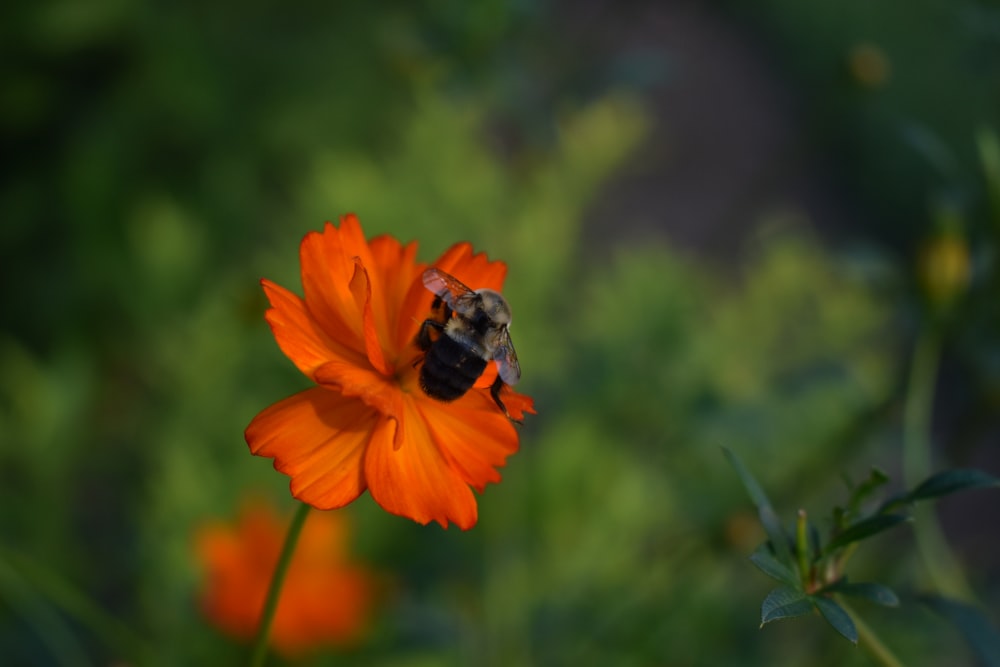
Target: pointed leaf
{"type": "Point", "coordinates": [870, 591]}
{"type": "Point", "coordinates": [863, 529]}
{"type": "Point", "coordinates": [774, 568]}
{"type": "Point", "coordinates": [768, 517]}
{"type": "Point", "coordinates": [892, 502]}
{"type": "Point", "coordinates": [950, 481]}
{"type": "Point", "coordinates": [876, 477]}
{"type": "Point", "coordinates": [863, 490]}
{"type": "Point", "coordinates": [982, 636]}
{"type": "Point", "coordinates": [837, 617]}
{"type": "Point", "coordinates": [814, 542]}
{"type": "Point", "coordinates": [784, 602]}
{"type": "Point", "coordinates": [839, 517]}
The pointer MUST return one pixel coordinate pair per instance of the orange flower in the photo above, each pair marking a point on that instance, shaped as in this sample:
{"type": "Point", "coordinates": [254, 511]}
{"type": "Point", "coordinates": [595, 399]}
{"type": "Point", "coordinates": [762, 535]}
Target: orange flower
{"type": "Point", "coordinates": [368, 425]}
{"type": "Point", "coordinates": [325, 600]}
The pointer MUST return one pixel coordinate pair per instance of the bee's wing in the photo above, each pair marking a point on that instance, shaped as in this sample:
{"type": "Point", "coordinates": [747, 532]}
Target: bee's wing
{"type": "Point", "coordinates": [506, 358]}
{"type": "Point", "coordinates": [452, 291]}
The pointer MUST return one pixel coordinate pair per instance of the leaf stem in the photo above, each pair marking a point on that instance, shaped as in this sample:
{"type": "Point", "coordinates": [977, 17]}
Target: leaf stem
{"type": "Point", "coordinates": [870, 639]}
{"type": "Point", "coordinates": [941, 565]}
{"type": "Point", "coordinates": [277, 581]}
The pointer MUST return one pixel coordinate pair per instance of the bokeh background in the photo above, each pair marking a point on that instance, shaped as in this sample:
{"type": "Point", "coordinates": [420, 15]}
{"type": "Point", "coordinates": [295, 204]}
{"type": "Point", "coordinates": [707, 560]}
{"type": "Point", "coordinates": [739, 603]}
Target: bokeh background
{"type": "Point", "coordinates": [713, 214]}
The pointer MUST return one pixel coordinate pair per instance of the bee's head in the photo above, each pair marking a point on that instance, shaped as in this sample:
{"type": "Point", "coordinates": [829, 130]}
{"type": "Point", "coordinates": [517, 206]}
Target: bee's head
{"type": "Point", "coordinates": [495, 307]}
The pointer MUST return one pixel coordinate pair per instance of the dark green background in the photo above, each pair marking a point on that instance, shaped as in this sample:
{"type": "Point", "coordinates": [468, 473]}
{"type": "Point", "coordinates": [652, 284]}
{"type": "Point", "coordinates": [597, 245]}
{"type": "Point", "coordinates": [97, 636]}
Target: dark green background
{"type": "Point", "coordinates": [711, 226]}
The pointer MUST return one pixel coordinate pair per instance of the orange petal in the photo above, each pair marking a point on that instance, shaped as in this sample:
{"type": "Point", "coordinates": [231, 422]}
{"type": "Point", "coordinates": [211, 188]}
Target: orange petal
{"type": "Point", "coordinates": [476, 271]}
{"type": "Point", "coordinates": [415, 480]}
{"type": "Point", "coordinates": [474, 436]}
{"type": "Point", "coordinates": [355, 247]}
{"type": "Point", "coordinates": [361, 289]}
{"type": "Point", "coordinates": [402, 290]}
{"type": "Point", "coordinates": [325, 599]}
{"type": "Point", "coordinates": [352, 241]}
{"type": "Point", "coordinates": [517, 404]}
{"type": "Point", "coordinates": [352, 289]}
{"type": "Point", "coordinates": [488, 376]}
{"type": "Point", "coordinates": [373, 388]}
{"type": "Point", "coordinates": [317, 437]}
{"type": "Point", "coordinates": [298, 334]}
{"type": "Point", "coordinates": [321, 606]}
{"type": "Point", "coordinates": [326, 278]}
{"type": "Point", "coordinates": [414, 310]}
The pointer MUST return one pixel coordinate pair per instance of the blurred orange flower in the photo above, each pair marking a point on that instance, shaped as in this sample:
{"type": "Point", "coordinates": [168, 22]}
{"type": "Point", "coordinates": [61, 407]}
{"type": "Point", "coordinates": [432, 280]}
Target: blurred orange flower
{"type": "Point", "coordinates": [326, 600]}
{"type": "Point", "coordinates": [368, 425]}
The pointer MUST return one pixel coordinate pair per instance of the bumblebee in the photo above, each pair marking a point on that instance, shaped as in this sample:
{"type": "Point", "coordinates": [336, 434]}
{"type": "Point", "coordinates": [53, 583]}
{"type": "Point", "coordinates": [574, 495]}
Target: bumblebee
{"type": "Point", "coordinates": [469, 329]}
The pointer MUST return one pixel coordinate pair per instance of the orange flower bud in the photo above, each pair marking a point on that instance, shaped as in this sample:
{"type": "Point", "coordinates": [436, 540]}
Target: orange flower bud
{"type": "Point", "coordinates": [868, 65]}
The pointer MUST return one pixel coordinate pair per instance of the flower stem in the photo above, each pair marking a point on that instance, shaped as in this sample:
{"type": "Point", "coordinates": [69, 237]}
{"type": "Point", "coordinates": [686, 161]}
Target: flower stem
{"type": "Point", "coordinates": [941, 565]}
{"type": "Point", "coordinates": [870, 640]}
{"type": "Point", "coordinates": [277, 580]}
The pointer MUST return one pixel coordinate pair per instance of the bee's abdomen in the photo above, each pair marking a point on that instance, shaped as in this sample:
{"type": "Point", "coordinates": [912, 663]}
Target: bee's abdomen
{"type": "Point", "coordinates": [449, 370]}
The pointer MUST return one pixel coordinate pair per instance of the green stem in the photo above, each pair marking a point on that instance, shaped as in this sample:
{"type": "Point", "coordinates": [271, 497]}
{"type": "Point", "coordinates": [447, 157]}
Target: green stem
{"type": "Point", "coordinates": [841, 562]}
{"type": "Point", "coordinates": [277, 580]}
{"type": "Point", "coordinates": [941, 565]}
{"type": "Point", "coordinates": [802, 549]}
{"type": "Point", "coordinates": [870, 639]}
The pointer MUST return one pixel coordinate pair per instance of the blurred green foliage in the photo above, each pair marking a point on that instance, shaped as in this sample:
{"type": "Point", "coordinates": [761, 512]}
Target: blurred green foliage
{"type": "Point", "coordinates": [896, 93]}
{"type": "Point", "coordinates": [161, 158]}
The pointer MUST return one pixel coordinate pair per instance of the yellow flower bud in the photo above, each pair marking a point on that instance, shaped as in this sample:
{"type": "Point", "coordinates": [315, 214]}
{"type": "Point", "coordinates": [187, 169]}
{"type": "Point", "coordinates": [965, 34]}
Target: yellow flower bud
{"type": "Point", "coordinates": [944, 268]}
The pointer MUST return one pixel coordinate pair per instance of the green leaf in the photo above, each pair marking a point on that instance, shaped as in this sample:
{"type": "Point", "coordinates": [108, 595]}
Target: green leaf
{"type": "Point", "coordinates": [839, 517]}
{"type": "Point", "coordinates": [950, 481]}
{"type": "Point", "coordinates": [864, 529]}
{"type": "Point", "coordinates": [870, 591]}
{"type": "Point", "coordinates": [768, 517]}
{"type": "Point", "coordinates": [774, 568]}
{"type": "Point", "coordinates": [982, 636]}
{"type": "Point", "coordinates": [815, 542]}
{"type": "Point", "coordinates": [989, 155]}
{"type": "Point", "coordinates": [836, 617]}
{"type": "Point", "coordinates": [863, 490]}
{"type": "Point", "coordinates": [892, 502]}
{"type": "Point", "coordinates": [784, 602]}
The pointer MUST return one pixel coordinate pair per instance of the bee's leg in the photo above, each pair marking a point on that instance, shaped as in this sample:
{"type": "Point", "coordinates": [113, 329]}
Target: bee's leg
{"type": "Point", "coordinates": [495, 393]}
{"type": "Point", "coordinates": [424, 335]}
